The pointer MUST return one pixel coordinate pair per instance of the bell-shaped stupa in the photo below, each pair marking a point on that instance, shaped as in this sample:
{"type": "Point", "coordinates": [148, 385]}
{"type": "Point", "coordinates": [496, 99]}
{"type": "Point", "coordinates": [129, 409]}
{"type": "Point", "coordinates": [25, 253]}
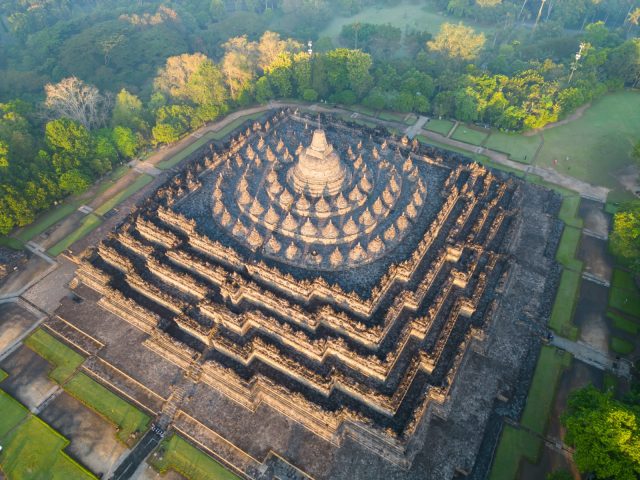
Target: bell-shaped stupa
{"type": "Point", "coordinates": [319, 170]}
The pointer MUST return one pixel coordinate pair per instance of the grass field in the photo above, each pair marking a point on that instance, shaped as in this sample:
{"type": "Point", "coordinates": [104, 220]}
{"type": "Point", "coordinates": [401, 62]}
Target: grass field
{"type": "Point", "coordinates": [569, 211]}
{"type": "Point", "coordinates": [566, 297]}
{"type": "Point", "coordinates": [64, 360]}
{"type": "Point", "coordinates": [518, 147]}
{"type": "Point", "coordinates": [47, 220]}
{"type": "Point", "coordinates": [598, 143]}
{"type": "Point", "coordinates": [623, 323]}
{"type": "Point", "coordinates": [621, 346]}
{"type": "Point", "coordinates": [88, 224]}
{"type": "Point", "coordinates": [443, 127]}
{"type": "Point", "coordinates": [624, 280]}
{"type": "Point", "coordinates": [167, 164]}
{"type": "Point", "coordinates": [514, 444]}
{"type": "Point", "coordinates": [466, 134]}
{"type": "Point", "coordinates": [396, 117]}
{"type": "Point", "coordinates": [567, 249]}
{"type": "Point", "coordinates": [13, 412]}
{"type": "Point", "coordinates": [33, 450]}
{"type": "Point", "coordinates": [3, 375]}
{"type": "Point", "coordinates": [188, 461]}
{"type": "Point", "coordinates": [625, 301]}
{"type": "Point", "coordinates": [122, 195]}
{"type": "Point", "coordinates": [543, 387]}
{"type": "Point", "coordinates": [223, 132]}
{"type": "Point", "coordinates": [122, 414]}
{"type": "Point", "coordinates": [403, 15]}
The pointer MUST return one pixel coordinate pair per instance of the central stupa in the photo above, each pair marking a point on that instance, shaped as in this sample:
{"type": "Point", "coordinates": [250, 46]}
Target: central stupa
{"type": "Point", "coordinates": [319, 170]}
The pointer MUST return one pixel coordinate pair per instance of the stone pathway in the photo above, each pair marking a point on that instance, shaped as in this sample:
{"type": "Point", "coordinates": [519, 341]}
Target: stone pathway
{"type": "Point", "coordinates": [591, 356]}
{"type": "Point", "coordinates": [414, 129]}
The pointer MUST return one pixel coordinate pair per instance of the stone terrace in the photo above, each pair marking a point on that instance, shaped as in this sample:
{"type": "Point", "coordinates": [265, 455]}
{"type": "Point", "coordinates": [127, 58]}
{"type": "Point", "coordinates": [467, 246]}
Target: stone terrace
{"type": "Point", "coordinates": [281, 358]}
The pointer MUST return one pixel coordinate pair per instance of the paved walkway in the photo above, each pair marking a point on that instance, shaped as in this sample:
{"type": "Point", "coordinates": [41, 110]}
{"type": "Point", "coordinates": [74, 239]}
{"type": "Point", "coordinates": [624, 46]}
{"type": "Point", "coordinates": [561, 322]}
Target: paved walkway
{"type": "Point", "coordinates": [585, 189]}
{"type": "Point", "coordinates": [591, 356]}
{"type": "Point", "coordinates": [414, 129]}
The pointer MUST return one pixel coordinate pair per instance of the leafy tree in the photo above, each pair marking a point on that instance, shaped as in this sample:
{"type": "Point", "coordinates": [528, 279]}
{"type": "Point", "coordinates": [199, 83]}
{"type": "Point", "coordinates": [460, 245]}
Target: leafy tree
{"type": "Point", "coordinates": [125, 141]}
{"type": "Point", "coordinates": [69, 136]}
{"type": "Point", "coordinates": [4, 154]}
{"type": "Point", "coordinates": [636, 152]}
{"type": "Point", "coordinates": [74, 182]}
{"type": "Point", "coordinates": [263, 90]}
{"type": "Point", "coordinates": [128, 111]}
{"type": "Point", "coordinates": [605, 434]}
{"type": "Point", "coordinates": [457, 41]}
{"type": "Point", "coordinates": [625, 238]}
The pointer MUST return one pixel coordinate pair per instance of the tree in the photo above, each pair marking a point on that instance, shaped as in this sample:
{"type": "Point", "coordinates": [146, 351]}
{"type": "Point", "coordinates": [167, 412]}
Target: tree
{"type": "Point", "coordinates": [72, 98]}
{"type": "Point", "coordinates": [457, 41]}
{"type": "Point", "coordinates": [488, 3]}
{"type": "Point", "coordinates": [4, 154]}
{"type": "Point", "coordinates": [74, 182]}
{"type": "Point", "coordinates": [625, 238]}
{"type": "Point", "coordinates": [239, 65]}
{"type": "Point", "coordinates": [636, 152]}
{"type": "Point", "coordinates": [605, 434]}
{"type": "Point", "coordinates": [128, 111]}
{"type": "Point", "coordinates": [270, 47]}
{"type": "Point", "coordinates": [69, 136]}
{"type": "Point", "coordinates": [174, 78]}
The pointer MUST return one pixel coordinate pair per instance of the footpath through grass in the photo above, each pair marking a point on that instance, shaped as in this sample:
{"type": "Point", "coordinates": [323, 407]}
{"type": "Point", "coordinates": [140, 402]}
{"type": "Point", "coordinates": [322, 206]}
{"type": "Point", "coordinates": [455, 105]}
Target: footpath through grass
{"type": "Point", "coordinates": [192, 463]}
{"type": "Point", "coordinates": [122, 195]}
{"type": "Point", "coordinates": [607, 130]}
{"type": "Point", "coordinates": [31, 449]}
{"type": "Point", "coordinates": [520, 148]}
{"type": "Point", "coordinates": [87, 225]}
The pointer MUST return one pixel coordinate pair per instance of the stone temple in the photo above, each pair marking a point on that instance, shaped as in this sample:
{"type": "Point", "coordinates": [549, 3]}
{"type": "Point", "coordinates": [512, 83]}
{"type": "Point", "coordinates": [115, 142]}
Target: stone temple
{"type": "Point", "coordinates": [316, 299]}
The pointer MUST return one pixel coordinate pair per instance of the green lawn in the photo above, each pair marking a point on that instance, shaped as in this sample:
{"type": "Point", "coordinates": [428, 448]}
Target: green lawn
{"type": "Point", "coordinates": [88, 224]}
{"type": "Point", "coordinates": [361, 109]}
{"type": "Point", "coordinates": [3, 375]}
{"type": "Point", "coordinates": [122, 195]}
{"type": "Point", "coordinates": [520, 148]}
{"type": "Point", "coordinates": [223, 132]}
{"type": "Point", "coordinates": [406, 16]}
{"type": "Point", "coordinates": [621, 346]}
{"type": "Point", "coordinates": [33, 450]}
{"type": "Point", "coordinates": [443, 127]}
{"type": "Point", "coordinates": [566, 297]}
{"type": "Point", "coordinates": [514, 444]}
{"type": "Point", "coordinates": [624, 280]}
{"type": "Point", "coordinates": [64, 359]}
{"type": "Point", "coordinates": [598, 143]}
{"type": "Point", "coordinates": [567, 249]}
{"type": "Point", "coordinates": [47, 220]}
{"type": "Point", "coordinates": [189, 461]}
{"type": "Point", "coordinates": [569, 211]}
{"type": "Point", "coordinates": [623, 324]}
{"type": "Point", "coordinates": [392, 116]}
{"type": "Point", "coordinates": [466, 134]}
{"type": "Point", "coordinates": [167, 164]}
{"type": "Point", "coordinates": [543, 387]}
{"type": "Point", "coordinates": [13, 412]}
{"type": "Point", "coordinates": [106, 403]}
{"type": "Point", "coordinates": [625, 301]}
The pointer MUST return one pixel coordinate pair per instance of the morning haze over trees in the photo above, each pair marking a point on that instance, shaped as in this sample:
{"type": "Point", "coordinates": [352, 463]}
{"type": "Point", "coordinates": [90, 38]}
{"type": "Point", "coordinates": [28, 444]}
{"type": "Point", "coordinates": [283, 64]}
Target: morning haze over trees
{"type": "Point", "coordinates": [86, 85]}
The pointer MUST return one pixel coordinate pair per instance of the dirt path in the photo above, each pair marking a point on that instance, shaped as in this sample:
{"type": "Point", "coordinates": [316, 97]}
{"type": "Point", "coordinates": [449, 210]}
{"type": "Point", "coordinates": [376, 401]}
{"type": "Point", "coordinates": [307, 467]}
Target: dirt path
{"type": "Point", "coordinates": [574, 116]}
{"type": "Point", "coordinates": [585, 189]}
